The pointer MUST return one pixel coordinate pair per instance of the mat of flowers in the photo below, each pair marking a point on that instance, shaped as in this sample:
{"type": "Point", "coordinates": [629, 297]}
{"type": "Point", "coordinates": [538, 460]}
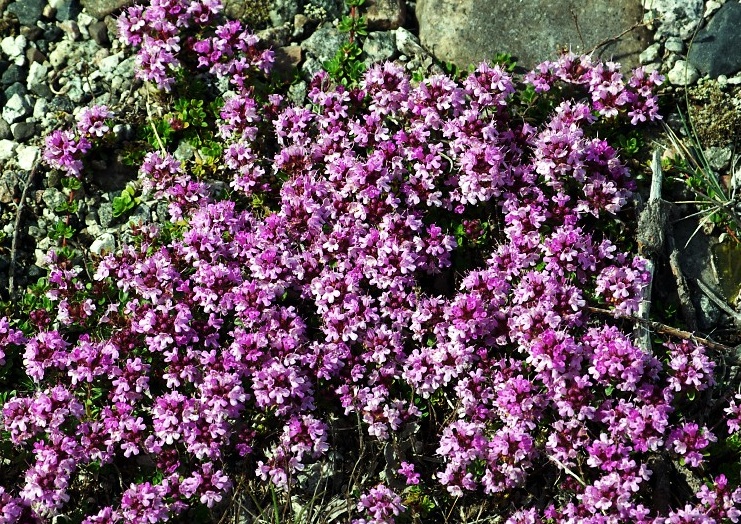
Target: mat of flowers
{"type": "Point", "coordinates": [405, 266]}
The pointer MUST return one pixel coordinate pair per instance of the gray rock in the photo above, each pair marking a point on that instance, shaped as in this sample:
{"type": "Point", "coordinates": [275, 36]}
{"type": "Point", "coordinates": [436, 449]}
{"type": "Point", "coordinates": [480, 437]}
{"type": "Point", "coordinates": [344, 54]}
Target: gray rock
{"type": "Point", "coordinates": [383, 15]}
{"type": "Point", "coordinates": [651, 54]}
{"type": "Point", "coordinates": [28, 156]}
{"type": "Point", "coordinates": [105, 243]}
{"type": "Point", "coordinates": [32, 33]}
{"type": "Point", "coordinates": [674, 44]}
{"type": "Point", "coordinates": [71, 29]}
{"type": "Point", "coordinates": [379, 46]}
{"type": "Point", "coordinates": [282, 11]}
{"type": "Point", "coordinates": [470, 31]}
{"type": "Point", "coordinates": [13, 74]}
{"type": "Point", "coordinates": [22, 131]}
{"type": "Point", "coordinates": [101, 8]}
{"type": "Point", "coordinates": [7, 148]}
{"type": "Point", "coordinates": [675, 17]}
{"type": "Point", "coordinates": [719, 158]}
{"type": "Point", "coordinates": [324, 43]}
{"type": "Point", "coordinates": [65, 9]}
{"type": "Point", "coordinates": [53, 198]}
{"type": "Point", "coordinates": [99, 33]}
{"type": "Point", "coordinates": [15, 89]}
{"type": "Point", "coordinates": [17, 107]}
{"type": "Point", "coordinates": [37, 74]}
{"type": "Point", "coordinates": [407, 43]}
{"type": "Point", "coordinates": [34, 55]}
{"type": "Point", "coordinates": [682, 74]}
{"type": "Point", "coordinates": [27, 11]}
{"type": "Point", "coordinates": [52, 33]}
{"type": "Point", "coordinates": [715, 49]}
{"type": "Point", "coordinates": [105, 214]}
{"type": "Point", "coordinates": [40, 108]}
{"type": "Point", "coordinates": [5, 132]}
{"type": "Point", "coordinates": [61, 53]}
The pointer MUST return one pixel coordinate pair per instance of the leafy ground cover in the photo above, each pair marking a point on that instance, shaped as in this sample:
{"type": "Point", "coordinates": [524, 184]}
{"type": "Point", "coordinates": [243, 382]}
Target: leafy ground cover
{"type": "Point", "coordinates": [383, 304]}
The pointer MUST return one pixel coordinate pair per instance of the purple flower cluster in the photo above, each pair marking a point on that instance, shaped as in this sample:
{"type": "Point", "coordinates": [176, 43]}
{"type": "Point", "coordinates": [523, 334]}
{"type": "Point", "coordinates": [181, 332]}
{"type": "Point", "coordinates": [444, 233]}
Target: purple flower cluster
{"type": "Point", "coordinates": [156, 29]}
{"type": "Point", "coordinates": [240, 338]}
{"type": "Point", "coordinates": [64, 150]}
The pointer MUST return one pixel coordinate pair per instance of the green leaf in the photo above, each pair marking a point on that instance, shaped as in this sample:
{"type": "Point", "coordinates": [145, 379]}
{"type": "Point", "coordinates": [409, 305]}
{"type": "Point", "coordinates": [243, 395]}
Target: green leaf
{"type": "Point", "coordinates": [71, 183]}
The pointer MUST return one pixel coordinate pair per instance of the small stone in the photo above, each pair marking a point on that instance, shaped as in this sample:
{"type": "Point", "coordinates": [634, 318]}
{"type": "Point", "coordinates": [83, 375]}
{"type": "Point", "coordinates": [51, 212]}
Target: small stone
{"type": "Point", "coordinates": [8, 187]}
{"type": "Point", "coordinates": [53, 198]}
{"type": "Point", "coordinates": [99, 33]}
{"type": "Point", "coordinates": [5, 132]}
{"type": "Point", "coordinates": [22, 131]}
{"type": "Point", "coordinates": [15, 89]}
{"type": "Point", "coordinates": [651, 54]}
{"type": "Point", "coordinates": [35, 56]}
{"type": "Point", "coordinates": [37, 74]}
{"type": "Point", "coordinates": [105, 243]}
{"type": "Point", "coordinates": [28, 156]}
{"type": "Point", "coordinates": [102, 8]}
{"type": "Point", "coordinates": [719, 158]}
{"type": "Point", "coordinates": [682, 74]}
{"type": "Point", "coordinates": [60, 54]}
{"type": "Point", "coordinates": [13, 74]}
{"type": "Point", "coordinates": [408, 44]}
{"type": "Point", "coordinates": [674, 44]}
{"type": "Point", "coordinates": [52, 33]}
{"type": "Point", "coordinates": [105, 214]}
{"type": "Point", "coordinates": [40, 108]}
{"type": "Point", "coordinates": [300, 22]}
{"type": "Point", "coordinates": [16, 108]}
{"type": "Point", "coordinates": [383, 15]}
{"type": "Point", "coordinates": [109, 63]}
{"type": "Point", "coordinates": [48, 12]}
{"type": "Point", "coordinates": [711, 6]}
{"type": "Point", "coordinates": [71, 28]}
{"type": "Point", "coordinates": [13, 46]}
{"type": "Point", "coordinates": [27, 11]}
{"type": "Point", "coordinates": [7, 148]}
{"type": "Point", "coordinates": [32, 33]}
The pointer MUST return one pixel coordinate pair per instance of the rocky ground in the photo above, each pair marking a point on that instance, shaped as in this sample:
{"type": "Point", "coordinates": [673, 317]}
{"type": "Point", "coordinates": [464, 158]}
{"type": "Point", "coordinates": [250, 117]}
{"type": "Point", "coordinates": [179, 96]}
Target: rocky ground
{"type": "Point", "coordinates": [60, 55]}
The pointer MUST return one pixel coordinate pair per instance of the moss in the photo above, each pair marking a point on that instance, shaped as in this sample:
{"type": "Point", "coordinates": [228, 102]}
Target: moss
{"type": "Point", "coordinates": [254, 13]}
{"type": "Point", "coordinates": [715, 112]}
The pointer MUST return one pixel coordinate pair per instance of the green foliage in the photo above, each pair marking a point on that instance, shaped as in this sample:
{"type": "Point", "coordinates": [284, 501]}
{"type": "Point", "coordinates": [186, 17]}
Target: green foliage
{"type": "Point", "coordinates": [190, 113]}
{"type": "Point", "coordinates": [158, 131]}
{"type": "Point", "coordinates": [345, 66]}
{"type": "Point", "coordinates": [71, 183]}
{"type": "Point", "coordinates": [61, 231]}
{"type": "Point", "coordinates": [68, 206]}
{"type": "Point", "coordinates": [353, 25]}
{"type": "Point", "coordinates": [630, 144]}
{"type": "Point", "coordinates": [506, 61]}
{"type": "Point", "coordinates": [125, 202]}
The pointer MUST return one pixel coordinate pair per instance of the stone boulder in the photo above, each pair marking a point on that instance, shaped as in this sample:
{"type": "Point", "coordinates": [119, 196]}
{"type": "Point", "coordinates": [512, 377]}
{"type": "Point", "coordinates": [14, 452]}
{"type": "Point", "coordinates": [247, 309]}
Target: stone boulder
{"type": "Point", "coordinates": [469, 31]}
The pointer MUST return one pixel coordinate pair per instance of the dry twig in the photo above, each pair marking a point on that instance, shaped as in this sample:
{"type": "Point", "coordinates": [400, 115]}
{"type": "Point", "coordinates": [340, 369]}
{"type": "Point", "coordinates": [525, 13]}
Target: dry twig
{"type": "Point", "coordinates": [665, 329]}
{"type": "Point", "coordinates": [16, 232]}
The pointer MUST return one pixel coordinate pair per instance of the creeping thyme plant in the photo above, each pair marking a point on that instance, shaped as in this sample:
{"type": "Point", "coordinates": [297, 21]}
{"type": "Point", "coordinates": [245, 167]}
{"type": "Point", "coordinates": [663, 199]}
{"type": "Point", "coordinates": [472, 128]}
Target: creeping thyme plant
{"type": "Point", "coordinates": [388, 316]}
